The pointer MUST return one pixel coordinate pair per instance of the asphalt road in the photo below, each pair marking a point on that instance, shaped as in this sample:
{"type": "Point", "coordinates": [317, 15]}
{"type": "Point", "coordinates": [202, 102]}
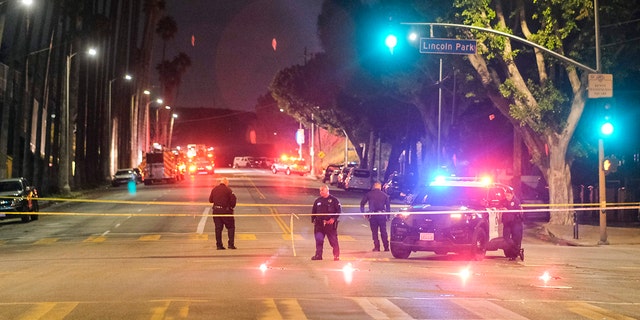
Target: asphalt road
{"type": "Point", "coordinates": [149, 253]}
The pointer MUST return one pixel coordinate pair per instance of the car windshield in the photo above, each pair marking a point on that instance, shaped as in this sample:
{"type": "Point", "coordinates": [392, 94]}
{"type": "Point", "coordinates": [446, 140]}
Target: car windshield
{"type": "Point", "coordinates": [452, 196]}
{"type": "Point", "coordinates": [361, 173]}
{"type": "Point", "coordinates": [10, 186]}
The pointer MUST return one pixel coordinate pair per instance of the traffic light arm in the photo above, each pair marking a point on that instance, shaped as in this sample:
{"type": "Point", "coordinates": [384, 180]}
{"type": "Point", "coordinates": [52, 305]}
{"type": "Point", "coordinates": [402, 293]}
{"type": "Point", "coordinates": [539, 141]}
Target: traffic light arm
{"type": "Point", "coordinates": [510, 36]}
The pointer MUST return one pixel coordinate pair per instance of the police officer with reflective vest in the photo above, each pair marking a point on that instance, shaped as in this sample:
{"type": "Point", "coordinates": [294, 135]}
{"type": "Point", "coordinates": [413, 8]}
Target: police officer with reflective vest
{"type": "Point", "coordinates": [512, 226]}
{"type": "Point", "coordinates": [224, 200]}
{"type": "Point", "coordinates": [325, 212]}
{"type": "Point", "coordinates": [378, 202]}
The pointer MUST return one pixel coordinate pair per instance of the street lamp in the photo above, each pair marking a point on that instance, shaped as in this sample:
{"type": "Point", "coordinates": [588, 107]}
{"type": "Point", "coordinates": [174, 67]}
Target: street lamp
{"type": "Point", "coordinates": [110, 143]}
{"type": "Point", "coordinates": [147, 141]}
{"type": "Point", "coordinates": [66, 150]}
{"type": "Point", "coordinates": [162, 141]}
{"type": "Point", "coordinates": [173, 117]}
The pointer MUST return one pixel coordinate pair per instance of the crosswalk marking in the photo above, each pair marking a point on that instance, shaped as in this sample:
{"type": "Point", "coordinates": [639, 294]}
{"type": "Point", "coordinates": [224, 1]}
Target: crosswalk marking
{"type": "Point", "coordinates": [593, 312]}
{"type": "Point", "coordinates": [95, 239]}
{"type": "Point", "coordinates": [381, 308]}
{"type": "Point", "coordinates": [49, 310]}
{"type": "Point", "coordinates": [487, 309]}
{"type": "Point", "coordinates": [292, 308]}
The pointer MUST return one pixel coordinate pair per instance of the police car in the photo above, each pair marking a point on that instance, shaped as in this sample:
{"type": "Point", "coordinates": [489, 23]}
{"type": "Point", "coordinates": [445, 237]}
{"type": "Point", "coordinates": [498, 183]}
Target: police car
{"type": "Point", "coordinates": [450, 215]}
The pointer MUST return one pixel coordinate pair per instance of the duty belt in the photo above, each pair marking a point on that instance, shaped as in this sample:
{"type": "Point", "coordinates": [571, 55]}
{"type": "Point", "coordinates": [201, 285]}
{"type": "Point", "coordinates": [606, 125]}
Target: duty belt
{"type": "Point", "coordinates": [219, 207]}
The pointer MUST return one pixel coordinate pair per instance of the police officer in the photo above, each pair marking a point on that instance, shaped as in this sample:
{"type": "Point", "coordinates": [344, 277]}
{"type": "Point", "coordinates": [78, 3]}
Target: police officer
{"type": "Point", "coordinates": [326, 210]}
{"type": "Point", "coordinates": [378, 202]}
{"type": "Point", "coordinates": [512, 224]}
{"type": "Point", "coordinates": [224, 200]}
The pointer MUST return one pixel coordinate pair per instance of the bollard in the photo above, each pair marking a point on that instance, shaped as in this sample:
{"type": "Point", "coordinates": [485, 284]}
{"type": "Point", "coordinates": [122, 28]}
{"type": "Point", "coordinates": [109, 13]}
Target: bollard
{"type": "Point", "coordinates": [575, 225]}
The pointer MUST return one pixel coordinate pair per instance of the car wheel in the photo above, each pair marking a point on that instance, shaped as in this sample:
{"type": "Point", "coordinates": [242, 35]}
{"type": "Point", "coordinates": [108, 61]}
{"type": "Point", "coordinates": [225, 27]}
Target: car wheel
{"type": "Point", "coordinates": [479, 249]}
{"type": "Point", "coordinates": [399, 252]}
{"type": "Point", "coordinates": [274, 170]}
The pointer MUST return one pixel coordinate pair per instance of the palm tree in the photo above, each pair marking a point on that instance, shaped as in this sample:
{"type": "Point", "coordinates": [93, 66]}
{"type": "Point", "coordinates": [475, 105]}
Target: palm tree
{"type": "Point", "coordinates": [167, 29]}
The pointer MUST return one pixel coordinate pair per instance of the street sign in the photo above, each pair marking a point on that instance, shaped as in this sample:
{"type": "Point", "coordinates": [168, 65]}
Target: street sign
{"type": "Point", "coordinates": [600, 85]}
{"type": "Point", "coordinates": [447, 46]}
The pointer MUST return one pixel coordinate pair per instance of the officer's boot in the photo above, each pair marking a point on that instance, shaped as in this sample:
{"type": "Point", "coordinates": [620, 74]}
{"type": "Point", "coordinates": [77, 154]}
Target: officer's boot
{"type": "Point", "coordinates": [376, 246]}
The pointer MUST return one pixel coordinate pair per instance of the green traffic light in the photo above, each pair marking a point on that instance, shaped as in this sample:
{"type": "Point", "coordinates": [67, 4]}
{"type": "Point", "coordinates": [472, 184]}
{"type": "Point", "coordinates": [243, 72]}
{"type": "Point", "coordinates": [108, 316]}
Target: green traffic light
{"type": "Point", "coordinates": [607, 128]}
{"type": "Point", "coordinates": [391, 41]}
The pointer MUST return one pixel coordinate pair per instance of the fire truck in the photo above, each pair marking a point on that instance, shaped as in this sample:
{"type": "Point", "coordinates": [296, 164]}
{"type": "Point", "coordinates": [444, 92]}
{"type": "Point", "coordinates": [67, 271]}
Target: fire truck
{"type": "Point", "coordinates": [160, 167]}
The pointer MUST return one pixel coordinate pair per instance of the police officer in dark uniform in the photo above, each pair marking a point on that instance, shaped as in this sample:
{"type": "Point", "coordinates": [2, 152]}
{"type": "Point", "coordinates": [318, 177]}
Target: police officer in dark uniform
{"type": "Point", "coordinates": [513, 225]}
{"type": "Point", "coordinates": [326, 210]}
{"type": "Point", "coordinates": [378, 202]}
{"type": "Point", "coordinates": [224, 200]}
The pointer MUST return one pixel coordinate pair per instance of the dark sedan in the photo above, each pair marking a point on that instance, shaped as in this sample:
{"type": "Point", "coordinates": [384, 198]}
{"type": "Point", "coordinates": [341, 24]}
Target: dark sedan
{"type": "Point", "coordinates": [16, 195]}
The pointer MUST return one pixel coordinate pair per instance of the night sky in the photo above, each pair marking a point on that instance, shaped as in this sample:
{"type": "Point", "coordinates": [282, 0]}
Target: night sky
{"type": "Point", "coordinates": [233, 61]}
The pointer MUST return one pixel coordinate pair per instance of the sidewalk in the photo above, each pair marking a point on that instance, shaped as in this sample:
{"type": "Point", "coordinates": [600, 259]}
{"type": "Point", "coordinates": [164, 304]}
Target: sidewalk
{"type": "Point", "coordinates": [588, 235]}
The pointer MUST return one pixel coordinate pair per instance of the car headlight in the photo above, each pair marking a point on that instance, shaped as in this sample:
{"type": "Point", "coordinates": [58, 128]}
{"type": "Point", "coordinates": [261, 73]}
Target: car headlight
{"type": "Point", "coordinates": [15, 202]}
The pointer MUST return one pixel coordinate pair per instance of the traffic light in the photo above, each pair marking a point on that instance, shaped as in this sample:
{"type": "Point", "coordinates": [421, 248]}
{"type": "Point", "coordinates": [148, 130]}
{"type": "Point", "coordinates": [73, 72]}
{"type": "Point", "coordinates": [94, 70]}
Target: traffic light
{"type": "Point", "coordinates": [606, 129]}
{"type": "Point", "coordinates": [610, 164]}
{"type": "Point", "coordinates": [391, 41]}
{"type": "Point", "coordinates": [606, 165]}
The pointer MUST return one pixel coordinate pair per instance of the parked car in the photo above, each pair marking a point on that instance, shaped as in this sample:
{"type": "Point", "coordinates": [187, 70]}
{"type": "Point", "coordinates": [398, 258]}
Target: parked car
{"type": "Point", "coordinates": [16, 195]}
{"type": "Point", "coordinates": [399, 186]}
{"type": "Point", "coordinates": [451, 216]}
{"type": "Point", "coordinates": [138, 173]}
{"type": "Point", "coordinates": [242, 162]}
{"type": "Point", "coordinates": [124, 176]}
{"type": "Point", "coordinates": [358, 179]}
{"type": "Point", "coordinates": [295, 166]}
{"type": "Point", "coordinates": [329, 171]}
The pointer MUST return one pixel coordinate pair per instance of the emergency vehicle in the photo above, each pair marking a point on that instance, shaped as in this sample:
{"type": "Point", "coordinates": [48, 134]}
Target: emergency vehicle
{"type": "Point", "coordinates": [160, 167]}
{"type": "Point", "coordinates": [457, 215]}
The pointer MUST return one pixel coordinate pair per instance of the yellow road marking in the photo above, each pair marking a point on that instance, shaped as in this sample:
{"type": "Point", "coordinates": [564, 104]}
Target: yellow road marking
{"type": "Point", "coordinates": [150, 237]}
{"type": "Point", "coordinates": [197, 236]}
{"type": "Point", "coordinates": [288, 236]}
{"type": "Point", "coordinates": [345, 238]}
{"type": "Point", "coordinates": [47, 241]}
{"type": "Point", "coordinates": [246, 236]}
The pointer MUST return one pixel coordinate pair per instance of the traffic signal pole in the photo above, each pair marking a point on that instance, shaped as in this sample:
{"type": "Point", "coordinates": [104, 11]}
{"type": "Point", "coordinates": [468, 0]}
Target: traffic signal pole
{"type": "Point", "coordinates": [602, 194]}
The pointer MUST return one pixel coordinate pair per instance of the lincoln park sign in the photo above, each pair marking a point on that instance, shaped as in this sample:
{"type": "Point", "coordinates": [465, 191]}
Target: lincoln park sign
{"type": "Point", "coordinates": [447, 46]}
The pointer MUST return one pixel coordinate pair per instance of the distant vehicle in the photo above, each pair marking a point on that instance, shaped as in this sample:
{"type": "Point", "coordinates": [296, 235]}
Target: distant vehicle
{"type": "Point", "coordinates": [358, 179]}
{"type": "Point", "coordinates": [242, 162]}
{"type": "Point", "coordinates": [201, 167]}
{"type": "Point", "coordinates": [328, 172]}
{"type": "Point", "coordinates": [289, 166]}
{"type": "Point", "coordinates": [200, 159]}
{"type": "Point", "coordinates": [16, 195]}
{"type": "Point", "coordinates": [160, 167]}
{"type": "Point", "coordinates": [124, 176]}
{"type": "Point", "coordinates": [450, 216]}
